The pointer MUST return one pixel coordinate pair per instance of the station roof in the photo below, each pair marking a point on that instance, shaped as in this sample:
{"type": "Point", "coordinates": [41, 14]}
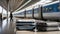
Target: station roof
{"type": "Point", "coordinates": [16, 4]}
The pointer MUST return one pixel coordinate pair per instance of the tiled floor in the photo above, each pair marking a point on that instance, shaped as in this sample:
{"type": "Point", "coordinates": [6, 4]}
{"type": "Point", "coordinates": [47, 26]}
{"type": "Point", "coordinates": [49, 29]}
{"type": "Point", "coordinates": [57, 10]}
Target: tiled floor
{"type": "Point", "coordinates": [29, 32]}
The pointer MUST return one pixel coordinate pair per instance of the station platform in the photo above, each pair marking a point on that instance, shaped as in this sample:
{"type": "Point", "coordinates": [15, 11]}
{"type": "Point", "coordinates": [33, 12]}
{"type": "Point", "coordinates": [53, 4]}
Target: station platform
{"type": "Point", "coordinates": [30, 32]}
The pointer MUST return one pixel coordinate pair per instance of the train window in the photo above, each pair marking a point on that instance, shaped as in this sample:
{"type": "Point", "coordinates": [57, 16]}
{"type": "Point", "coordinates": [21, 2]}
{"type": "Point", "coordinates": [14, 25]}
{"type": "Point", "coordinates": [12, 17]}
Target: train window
{"type": "Point", "coordinates": [20, 13]}
{"type": "Point", "coordinates": [25, 22]}
{"type": "Point", "coordinates": [59, 7]}
{"type": "Point", "coordinates": [29, 12]}
{"type": "Point", "coordinates": [43, 9]}
{"type": "Point", "coordinates": [50, 9]}
{"type": "Point", "coordinates": [35, 10]}
{"type": "Point", "coordinates": [46, 9]}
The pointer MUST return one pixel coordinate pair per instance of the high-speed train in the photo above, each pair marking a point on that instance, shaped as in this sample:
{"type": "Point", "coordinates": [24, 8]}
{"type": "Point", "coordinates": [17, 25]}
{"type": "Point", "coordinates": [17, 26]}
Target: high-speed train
{"type": "Point", "coordinates": [49, 11]}
{"type": "Point", "coordinates": [25, 24]}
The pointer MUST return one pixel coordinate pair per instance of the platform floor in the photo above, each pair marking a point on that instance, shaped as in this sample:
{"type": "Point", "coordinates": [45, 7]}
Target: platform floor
{"type": "Point", "coordinates": [29, 32]}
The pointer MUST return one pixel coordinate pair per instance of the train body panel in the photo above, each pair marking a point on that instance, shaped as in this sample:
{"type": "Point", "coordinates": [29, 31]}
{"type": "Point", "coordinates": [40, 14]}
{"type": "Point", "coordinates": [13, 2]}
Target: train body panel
{"type": "Point", "coordinates": [25, 24]}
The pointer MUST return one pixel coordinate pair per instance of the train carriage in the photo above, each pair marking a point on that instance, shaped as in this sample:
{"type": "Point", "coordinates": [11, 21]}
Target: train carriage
{"type": "Point", "coordinates": [49, 11]}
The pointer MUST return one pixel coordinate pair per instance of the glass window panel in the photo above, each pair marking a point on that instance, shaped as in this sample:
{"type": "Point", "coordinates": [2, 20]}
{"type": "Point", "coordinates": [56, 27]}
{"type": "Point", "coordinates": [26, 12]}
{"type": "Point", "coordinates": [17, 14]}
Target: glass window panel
{"type": "Point", "coordinates": [36, 10]}
{"type": "Point", "coordinates": [29, 12]}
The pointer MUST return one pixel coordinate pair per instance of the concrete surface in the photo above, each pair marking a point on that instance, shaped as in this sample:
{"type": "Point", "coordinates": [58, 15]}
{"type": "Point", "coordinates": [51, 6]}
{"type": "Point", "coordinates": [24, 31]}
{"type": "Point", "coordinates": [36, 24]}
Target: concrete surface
{"type": "Point", "coordinates": [29, 32]}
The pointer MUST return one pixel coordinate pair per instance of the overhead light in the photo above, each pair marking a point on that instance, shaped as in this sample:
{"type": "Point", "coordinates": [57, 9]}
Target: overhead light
{"type": "Point", "coordinates": [23, 5]}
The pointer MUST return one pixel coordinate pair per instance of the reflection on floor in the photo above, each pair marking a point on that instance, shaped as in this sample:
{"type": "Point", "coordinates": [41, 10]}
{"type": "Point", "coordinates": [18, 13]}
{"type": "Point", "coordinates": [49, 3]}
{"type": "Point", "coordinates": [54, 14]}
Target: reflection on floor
{"type": "Point", "coordinates": [0, 27]}
{"type": "Point", "coordinates": [29, 32]}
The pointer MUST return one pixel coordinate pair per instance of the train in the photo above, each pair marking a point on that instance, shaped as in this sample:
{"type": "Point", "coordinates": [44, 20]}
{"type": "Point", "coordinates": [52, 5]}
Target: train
{"type": "Point", "coordinates": [37, 25]}
{"type": "Point", "coordinates": [49, 11]}
{"type": "Point", "coordinates": [25, 24]}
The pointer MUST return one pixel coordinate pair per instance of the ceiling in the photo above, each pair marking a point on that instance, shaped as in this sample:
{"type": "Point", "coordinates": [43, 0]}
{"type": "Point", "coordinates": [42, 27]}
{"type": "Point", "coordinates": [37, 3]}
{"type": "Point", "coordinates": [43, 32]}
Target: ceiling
{"type": "Point", "coordinates": [13, 5]}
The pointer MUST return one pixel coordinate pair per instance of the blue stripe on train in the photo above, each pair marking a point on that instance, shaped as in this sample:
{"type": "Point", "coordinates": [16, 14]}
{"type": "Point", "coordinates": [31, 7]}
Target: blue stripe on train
{"type": "Point", "coordinates": [54, 8]}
